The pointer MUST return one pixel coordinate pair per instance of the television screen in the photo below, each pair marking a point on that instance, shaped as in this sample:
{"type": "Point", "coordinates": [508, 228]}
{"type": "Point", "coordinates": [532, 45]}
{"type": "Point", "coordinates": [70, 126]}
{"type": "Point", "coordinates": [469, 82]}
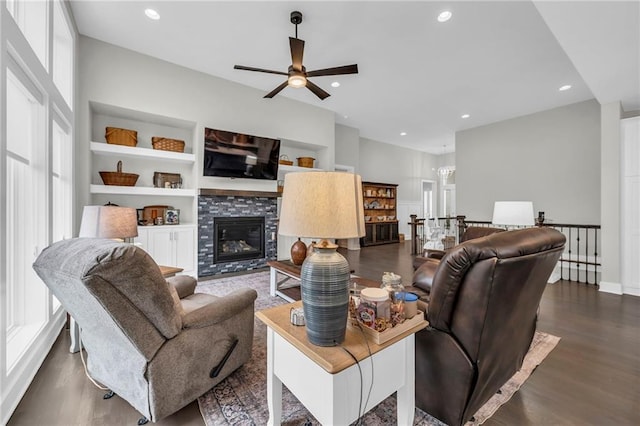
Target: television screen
{"type": "Point", "coordinates": [237, 155]}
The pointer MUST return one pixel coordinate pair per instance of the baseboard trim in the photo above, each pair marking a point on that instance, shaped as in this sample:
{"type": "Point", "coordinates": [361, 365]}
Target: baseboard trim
{"type": "Point", "coordinates": [632, 291]}
{"type": "Point", "coordinates": [609, 287]}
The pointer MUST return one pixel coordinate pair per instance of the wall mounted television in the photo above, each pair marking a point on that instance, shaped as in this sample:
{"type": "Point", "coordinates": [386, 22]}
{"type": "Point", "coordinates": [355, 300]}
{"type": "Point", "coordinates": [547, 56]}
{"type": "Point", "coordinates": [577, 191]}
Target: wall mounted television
{"type": "Point", "coordinates": [238, 155]}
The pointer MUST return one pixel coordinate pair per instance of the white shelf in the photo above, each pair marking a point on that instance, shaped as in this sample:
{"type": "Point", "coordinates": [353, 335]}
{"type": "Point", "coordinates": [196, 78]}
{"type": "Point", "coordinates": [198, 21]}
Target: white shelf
{"type": "Point", "coordinates": [135, 152]}
{"type": "Point", "coordinates": [142, 190]}
{"type": "Point", "coordinates": [286, 169]}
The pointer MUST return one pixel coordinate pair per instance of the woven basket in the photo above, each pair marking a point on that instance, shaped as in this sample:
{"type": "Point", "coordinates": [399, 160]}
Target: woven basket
{"type": "Point", "coordinates": [305, 161]}
{"type": "Point", "coordinates": [166, 144]}
{"type": "Point", "coordinates": [117, 136]}
{"type": "Point", "coordinates": [119, 178]}
{"type": "Point", "coordinates": [285, 160]}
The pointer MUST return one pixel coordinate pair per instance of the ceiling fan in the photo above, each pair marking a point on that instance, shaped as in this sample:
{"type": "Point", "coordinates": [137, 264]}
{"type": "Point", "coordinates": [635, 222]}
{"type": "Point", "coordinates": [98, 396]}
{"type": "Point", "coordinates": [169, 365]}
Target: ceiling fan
{"type": "Point", "coordinates": [297, 74]}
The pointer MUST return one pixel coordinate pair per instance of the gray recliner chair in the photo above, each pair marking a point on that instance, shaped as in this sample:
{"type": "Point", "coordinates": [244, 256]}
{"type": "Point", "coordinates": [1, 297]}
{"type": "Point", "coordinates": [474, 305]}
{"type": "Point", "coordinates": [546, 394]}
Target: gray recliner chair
{"type": "Point", "coordinates": [152, 341]}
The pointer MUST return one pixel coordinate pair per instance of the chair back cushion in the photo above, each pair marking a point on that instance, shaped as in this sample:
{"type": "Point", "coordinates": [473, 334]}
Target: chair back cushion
{"type": "Point", "coordinates": [486, 291]}
{"type": "Point", "coordinates": [92, 277]}
{"type": "Point", "coordinates": [473, 232]}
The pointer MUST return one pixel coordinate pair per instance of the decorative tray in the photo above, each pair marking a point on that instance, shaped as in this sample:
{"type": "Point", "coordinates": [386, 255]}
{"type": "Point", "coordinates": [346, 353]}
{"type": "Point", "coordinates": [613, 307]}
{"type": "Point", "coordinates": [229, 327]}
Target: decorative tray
{"type": "Point", "coordinates": [381, 337]}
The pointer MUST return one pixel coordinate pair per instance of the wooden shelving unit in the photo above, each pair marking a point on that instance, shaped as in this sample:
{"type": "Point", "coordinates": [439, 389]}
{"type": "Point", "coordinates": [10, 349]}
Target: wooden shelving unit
{"type": "Point", "coordinates": [380, 213]}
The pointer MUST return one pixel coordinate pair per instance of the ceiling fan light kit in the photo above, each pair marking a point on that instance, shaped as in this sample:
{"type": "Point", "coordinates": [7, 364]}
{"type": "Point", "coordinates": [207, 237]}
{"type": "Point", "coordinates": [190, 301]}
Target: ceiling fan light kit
{"type": "Point", "coordinates": [297, 75]}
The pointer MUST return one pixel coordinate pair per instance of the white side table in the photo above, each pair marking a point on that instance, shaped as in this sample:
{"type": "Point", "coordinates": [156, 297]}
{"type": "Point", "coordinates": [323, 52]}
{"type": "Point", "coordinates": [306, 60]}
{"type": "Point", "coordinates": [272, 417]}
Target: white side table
{"type": "Point", "coordinates": [330, 386]}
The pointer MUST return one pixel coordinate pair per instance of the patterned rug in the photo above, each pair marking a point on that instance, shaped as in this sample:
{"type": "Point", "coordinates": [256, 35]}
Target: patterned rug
{"type": "Point", "coordinates": [241, 399]}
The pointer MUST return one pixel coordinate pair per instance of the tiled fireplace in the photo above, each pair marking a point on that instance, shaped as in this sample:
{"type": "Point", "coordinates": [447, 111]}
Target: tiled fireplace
{"type": "Point", "coordinates": [235, 232]}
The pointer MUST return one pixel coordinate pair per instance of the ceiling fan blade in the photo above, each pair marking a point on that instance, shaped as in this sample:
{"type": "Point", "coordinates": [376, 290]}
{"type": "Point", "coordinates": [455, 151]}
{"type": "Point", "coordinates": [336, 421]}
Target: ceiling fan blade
{"type": "Point", "coordinates": [317, 91]}
{"type": "Point", "coordinates": [277, 90]}
{"type": "Point", "coordinates": [242, 67]}
{"type": "Point", "coordinates": [297, 49]}
{"type": "Point", "coordinates": [345, 69]}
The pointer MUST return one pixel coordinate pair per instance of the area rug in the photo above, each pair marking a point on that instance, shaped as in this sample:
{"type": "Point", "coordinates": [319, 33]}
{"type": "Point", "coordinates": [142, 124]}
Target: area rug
{"type": "Point", "coordinates": [241, 399]}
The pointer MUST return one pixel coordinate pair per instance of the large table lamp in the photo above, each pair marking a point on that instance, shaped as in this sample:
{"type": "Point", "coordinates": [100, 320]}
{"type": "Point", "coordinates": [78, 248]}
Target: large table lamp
{"type": "Point", "coordinates": [109, 221]}
{"type": "Point", "coordinates": [513, 213]}
{"type": "Point", "coordinates": [325, 206]}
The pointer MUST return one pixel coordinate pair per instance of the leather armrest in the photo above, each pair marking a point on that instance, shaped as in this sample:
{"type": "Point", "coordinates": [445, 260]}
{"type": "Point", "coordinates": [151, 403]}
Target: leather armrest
{"type": "Point", "coordinates": [184, 285]}
{"type": "Point", "coordinates": [220, 309]}
{"type": "Point", "coordinates": [423, 277]}
{"type": "Point", "coordinates": [434, 254]}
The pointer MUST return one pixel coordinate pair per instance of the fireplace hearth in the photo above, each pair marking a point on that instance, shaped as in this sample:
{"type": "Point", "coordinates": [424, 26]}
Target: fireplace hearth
{"type": "Point", "coordinates": [238, 238]}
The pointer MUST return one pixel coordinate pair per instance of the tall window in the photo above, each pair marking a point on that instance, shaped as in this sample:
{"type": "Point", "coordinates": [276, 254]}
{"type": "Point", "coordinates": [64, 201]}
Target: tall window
{"type": "Point", "coordinates": [31, 17]}
{"type": "Point", "coordinates": [37, 45]}
{"type": "Point", "coordinates": [25, 184]}
{"type": "Point", "coordinates": [62, 53]}
{"type": "Point", "coordinates": [61, 197]}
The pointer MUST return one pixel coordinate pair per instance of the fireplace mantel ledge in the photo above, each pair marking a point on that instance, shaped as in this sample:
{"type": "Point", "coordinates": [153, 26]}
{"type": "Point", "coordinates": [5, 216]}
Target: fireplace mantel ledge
{"type": "Point", "coordinates": [236, 193]}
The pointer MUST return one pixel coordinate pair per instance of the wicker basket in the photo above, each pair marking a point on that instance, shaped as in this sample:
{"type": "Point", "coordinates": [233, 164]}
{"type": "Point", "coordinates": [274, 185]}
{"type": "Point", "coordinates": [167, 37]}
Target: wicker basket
{"type": "Point", "coordinates": [117, 136]}
{"type": "Point", "coordinates": [305, 161]}
{"type": "Point", "coordinates": [166, 144]}
{"type": "Point", "coordinates": [285, 160]}
{"type": "Point", "coordinates": [119, 178]}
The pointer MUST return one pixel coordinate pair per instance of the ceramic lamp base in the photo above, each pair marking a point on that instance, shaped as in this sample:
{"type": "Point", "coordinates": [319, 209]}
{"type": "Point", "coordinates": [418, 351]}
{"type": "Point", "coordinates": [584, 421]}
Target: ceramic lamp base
{"type": "Point", "coordinates": [324, 281]}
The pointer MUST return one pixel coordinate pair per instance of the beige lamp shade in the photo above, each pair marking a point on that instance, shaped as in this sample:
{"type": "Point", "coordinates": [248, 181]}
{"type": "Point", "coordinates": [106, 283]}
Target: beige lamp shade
{"type": "Point", "coordinates": [513, 213]}
{"type": "Point", "coordinates": [109, 222]}
{"type": "Point", "coordinates": [322, 205]}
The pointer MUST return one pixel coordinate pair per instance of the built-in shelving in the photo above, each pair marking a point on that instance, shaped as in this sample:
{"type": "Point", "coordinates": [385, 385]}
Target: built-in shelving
{"type": "Point", "coordinates": [121, 151]}
{"type": "Point", "coordinates": [142, 190]}
{"type": "Point", "coordinates": [288, 169]}
{"type": "Point", "coordinates": [170, 245]}
{"type": "Point", "coordinates": [381, 220]}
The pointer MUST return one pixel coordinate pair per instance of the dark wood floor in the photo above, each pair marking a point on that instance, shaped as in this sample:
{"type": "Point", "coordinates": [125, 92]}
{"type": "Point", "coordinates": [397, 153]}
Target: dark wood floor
{"type": "Point", "coordinates": [591, 378]}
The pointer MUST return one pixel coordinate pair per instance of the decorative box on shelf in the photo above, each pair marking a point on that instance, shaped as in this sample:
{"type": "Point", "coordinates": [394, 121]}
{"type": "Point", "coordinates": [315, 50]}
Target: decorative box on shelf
{"type": "Point", "coordinates": [380, 337]}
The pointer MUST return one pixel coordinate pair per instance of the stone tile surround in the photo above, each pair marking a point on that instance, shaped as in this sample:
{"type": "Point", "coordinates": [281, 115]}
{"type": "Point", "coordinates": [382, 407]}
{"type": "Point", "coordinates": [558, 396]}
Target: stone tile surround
{"type": "Point", "coordinates": [212, 206]}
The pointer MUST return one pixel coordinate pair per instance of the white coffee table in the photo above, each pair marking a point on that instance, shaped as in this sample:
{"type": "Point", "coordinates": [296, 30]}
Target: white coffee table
{"type": "Point", "coordinates": [327, 380]}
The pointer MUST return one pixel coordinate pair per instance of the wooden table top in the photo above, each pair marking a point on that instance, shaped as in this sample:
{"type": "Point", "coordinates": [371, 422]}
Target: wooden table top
{"type": "Point", "coordinates": [169, 271]}
{"type": "Point", "coordinates": [333, 359]}
{"type": "Point", "coordinates": [285, 266]}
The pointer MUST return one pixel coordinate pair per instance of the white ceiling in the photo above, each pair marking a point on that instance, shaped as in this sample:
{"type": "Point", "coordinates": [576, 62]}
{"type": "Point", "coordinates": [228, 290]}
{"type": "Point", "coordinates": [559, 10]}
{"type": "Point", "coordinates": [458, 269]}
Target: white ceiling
{"type": "Point", "coordinates": [493, 60]}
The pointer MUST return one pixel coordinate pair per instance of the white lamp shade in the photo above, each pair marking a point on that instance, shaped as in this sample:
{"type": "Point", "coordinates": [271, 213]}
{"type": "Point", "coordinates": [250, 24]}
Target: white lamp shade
{"type": "Point", "coordinates": [322, 205]}
{"type": "Point", "coordinates": [109, 222]}
{"type": "Point", "coordinates": [513, 213]}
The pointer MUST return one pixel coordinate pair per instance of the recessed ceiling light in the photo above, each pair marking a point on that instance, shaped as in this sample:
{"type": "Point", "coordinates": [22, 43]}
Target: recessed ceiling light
{"type": "Point", "coordinates": [345, 116]}
{"type": "Point", "coordinates": [335, 84]}
{"type": "Point", "coordinates": [152, 14]}
{"type": "Point", "coordinates": [403, 133]}
{"type": "Point", "coordinates": [445, 16]}
{"type": "Point", "coordinates": [465, 116]}
{"type": "Point", "coordinates": [565, 87]}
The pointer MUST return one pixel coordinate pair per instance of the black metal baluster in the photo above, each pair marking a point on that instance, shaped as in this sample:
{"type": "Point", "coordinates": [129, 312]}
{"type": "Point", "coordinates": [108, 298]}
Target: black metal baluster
{"type": "Point", "coordinates": [595, 259]}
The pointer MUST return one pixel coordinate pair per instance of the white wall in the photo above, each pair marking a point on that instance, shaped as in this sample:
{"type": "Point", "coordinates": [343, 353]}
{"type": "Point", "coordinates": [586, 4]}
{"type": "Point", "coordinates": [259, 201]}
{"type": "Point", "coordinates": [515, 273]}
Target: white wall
{"type": "Point", "coordinates": [115, 76]}
{"type": "Point", "coordinates": [385, 163]}
{"type": "Point", "coordinates": [348, 146]}
{"type": "Point", "coordinates": [551, 158]}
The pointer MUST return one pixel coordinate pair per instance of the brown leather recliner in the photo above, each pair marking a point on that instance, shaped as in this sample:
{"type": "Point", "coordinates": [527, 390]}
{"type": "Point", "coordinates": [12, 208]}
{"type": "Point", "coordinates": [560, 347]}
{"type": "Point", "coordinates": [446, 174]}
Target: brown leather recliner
{"type": "Point", "coordinates": [425, 266]}
{"type": "Point", "coordinates": [482, 315]}
{"type": "Point", "coordinates": [470, 233]}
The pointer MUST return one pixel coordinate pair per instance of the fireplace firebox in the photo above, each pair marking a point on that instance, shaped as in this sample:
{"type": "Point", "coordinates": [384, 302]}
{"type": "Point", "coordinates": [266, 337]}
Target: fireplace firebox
{"type": "Point", "coordinates": [238, 238]}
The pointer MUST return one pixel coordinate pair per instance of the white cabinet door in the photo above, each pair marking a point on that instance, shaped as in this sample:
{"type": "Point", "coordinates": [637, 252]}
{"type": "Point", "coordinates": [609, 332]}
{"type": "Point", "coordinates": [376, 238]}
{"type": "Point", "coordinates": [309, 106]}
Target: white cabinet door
{"type": "Point", "coordinates": [183, 242]}
{"type": "Point", "coordinates": [161, 246]}
{"type": "Point", "coordinates": [173, 246]}
{"type": "Point", "coordinates": [142, 240]}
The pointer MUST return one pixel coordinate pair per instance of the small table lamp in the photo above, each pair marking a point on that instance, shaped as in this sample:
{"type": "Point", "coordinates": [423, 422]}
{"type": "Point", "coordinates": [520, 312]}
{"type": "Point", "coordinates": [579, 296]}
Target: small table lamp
{"type": "Point", "coordinates": [109, 222]}
{"type": "Point", "coordinates": [513, 213]}
{"type": "Point", "coordinates": [323, 205]}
